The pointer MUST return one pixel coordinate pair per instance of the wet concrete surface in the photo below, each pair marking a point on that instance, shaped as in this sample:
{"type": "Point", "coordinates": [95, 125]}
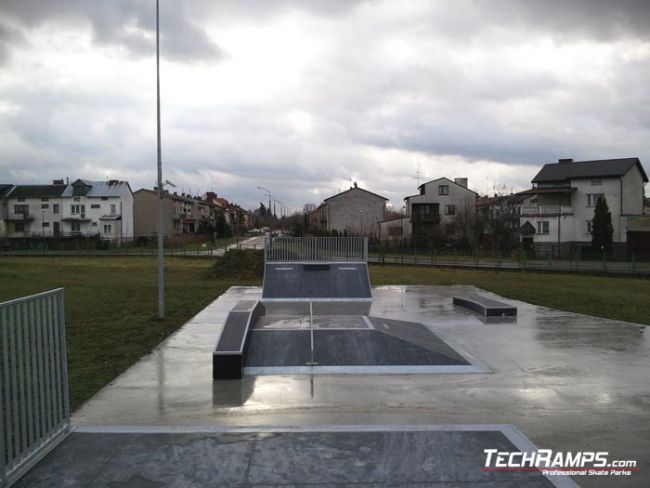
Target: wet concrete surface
{"type": "Point", "coordinates": [569, 382]}
{"type": "Point", "coordinates": [355, 456]}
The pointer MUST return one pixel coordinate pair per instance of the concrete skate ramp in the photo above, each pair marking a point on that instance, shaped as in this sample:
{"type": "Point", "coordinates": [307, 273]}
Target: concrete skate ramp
{"type": "Point", "coordinates": [319, 281]}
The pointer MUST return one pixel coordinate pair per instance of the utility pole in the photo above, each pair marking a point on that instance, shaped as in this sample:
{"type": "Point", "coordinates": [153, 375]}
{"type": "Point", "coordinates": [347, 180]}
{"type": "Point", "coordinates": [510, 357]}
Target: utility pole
{"type": "Point", "coordinates": [161, 269]}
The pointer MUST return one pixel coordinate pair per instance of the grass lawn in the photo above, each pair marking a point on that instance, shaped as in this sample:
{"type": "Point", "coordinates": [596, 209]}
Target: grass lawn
{"type": "Point", "coordinates": [604, 296]}
{"type": "Point", "coordinates": [111, 306]}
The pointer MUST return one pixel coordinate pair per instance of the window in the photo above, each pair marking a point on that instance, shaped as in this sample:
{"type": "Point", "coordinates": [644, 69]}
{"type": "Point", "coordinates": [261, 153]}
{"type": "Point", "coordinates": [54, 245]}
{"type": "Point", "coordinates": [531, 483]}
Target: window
{"type": "Point", "coordinates": [113, 208]}
{"type": "Point", "coordinates": [592, 198]}
{"type": "Point", "coordinates": [95, 205]}
{"type": "Point", "coordinates": [75, 226]}
{"type": "Point", "coordinates": [21, 209]}
{"type": "Point", "coordinates": [77, 209]}
{"type": "Point", "coordinates": [542, 227]}
{"type": "Point", "coordinates": [450, 209]}
{"type": "Point", "coordinates": [596, 182]}
{"type": "Point", "coordinates": [104, 198]}
{"type": "Point", "coordinates": [590, 227]}
{"type": "Point", "coordinates": [46, 224]}
{"type": "Point", "coordinates": [443, 189]}
{"type": "Point", "coordinates": [77, 199]}
{"type": "Point", "coordinates": [107, 228]}
{"type": "Point", "coordinates": [55, 208]}
{"type": "Point", "coordinates": [45, 199]}
{"type": "Point", "coordinates": [19, 227]}
{"type": "Point", "coordinates": [45, 205]}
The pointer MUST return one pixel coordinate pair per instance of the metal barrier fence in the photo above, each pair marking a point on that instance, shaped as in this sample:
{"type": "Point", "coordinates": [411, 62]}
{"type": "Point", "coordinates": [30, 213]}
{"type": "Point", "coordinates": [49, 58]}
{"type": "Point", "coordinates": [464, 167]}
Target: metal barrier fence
{"type": "Point", "coordinates": [34, 409]}
{"type": "Point", "coordinates": [345, 249]}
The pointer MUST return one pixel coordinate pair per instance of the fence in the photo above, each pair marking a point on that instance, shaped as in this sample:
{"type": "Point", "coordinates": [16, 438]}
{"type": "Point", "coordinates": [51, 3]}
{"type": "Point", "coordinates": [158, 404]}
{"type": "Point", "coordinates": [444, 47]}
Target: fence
{"type": "Point", "coordinates": [516, 260]}
{"type": "Point", "coordinates": [34, 410]}
{"type": "Point", "coordinates": [345, 249]}
{"type": "Point", "coordinates": [187, 245]}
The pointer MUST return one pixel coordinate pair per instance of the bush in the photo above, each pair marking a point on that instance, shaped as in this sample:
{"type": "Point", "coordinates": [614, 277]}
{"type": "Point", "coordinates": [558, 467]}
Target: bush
{"type": "Point", "coordinates": [239, 264]}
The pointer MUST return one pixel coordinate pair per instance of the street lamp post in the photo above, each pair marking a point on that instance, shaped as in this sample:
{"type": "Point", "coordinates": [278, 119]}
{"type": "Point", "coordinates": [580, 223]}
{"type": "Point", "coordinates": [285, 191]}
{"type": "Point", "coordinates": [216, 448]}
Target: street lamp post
{"type": "Point", "coordinates": [161, 277]}
{"type": "Point", "coordinates": [268, 194]}
{"type": "Point", "coordinates": [401, 220]}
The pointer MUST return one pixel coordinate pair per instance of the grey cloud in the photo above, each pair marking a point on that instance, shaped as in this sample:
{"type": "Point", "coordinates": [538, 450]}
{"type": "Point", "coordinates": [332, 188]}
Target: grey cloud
{"type": "Point", "coordinates": [595, 19]}
{"type": "Point", "coordinates": [460, 96]}
{"type": "Point", "coordinates": [9, 37]}
{"type": "Point", "coordinates": [127, 23]}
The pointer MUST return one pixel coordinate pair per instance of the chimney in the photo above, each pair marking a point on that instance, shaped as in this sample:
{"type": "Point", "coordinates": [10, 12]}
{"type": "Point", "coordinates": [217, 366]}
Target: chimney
{"type": "Point", "coordinates": [355, 184]}
{"type": "Point", "coordinates": [461, 181]}
{"type": "Point", "coordinates": [565, 161]}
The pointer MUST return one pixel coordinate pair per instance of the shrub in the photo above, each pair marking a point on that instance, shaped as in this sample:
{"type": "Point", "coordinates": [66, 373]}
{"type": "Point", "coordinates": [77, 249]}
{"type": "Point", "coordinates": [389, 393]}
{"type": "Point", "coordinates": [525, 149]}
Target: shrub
{"type": "Point", "coordinates": [238, 264]}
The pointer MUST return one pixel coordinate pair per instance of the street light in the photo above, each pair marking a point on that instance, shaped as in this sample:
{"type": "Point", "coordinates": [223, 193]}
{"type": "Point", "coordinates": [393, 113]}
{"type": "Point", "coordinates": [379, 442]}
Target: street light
{"type": "Point", "coordinates": [268, 194]}
{"type": "Point", "coordinates": [161, 276]}
{"type": "Point", "coordinates": [402, 212]}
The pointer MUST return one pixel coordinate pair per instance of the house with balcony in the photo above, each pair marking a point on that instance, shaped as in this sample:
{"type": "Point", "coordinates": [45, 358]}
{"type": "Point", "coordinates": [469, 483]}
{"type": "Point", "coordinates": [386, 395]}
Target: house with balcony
{"type": "Point", "coordinates": [444, 209]}
{"type": "Point", "coordinates": [103, 208]}
{"type": "Point", "coordinates": [33, 210]}
{"type": "Point", "coordinates": [4, 210]}
{"type": "Point", "coordinates": [555, 218]}
{"type": "Point", "coordinates": [85, 207]}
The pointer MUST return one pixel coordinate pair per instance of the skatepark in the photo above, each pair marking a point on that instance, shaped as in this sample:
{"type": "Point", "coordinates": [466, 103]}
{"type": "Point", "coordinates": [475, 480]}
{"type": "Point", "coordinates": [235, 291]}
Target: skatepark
{"type": "Point", "coordinates": [392, 385]}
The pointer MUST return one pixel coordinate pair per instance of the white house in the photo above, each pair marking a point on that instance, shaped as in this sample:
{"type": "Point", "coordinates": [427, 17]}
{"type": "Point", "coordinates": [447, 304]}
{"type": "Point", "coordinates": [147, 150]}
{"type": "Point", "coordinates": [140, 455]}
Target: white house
{"type": "Point", "coordinates": [33, 210]}
{"type": "Point", "coordinates": [84, 207]}
{"type": "Point", "coordinates": [442, 207]}
{"type": "Point", "coordinates": [556, 217]}
{"type": "Point", "coordinates": [99, 207]}
{"type": "Point", "coordinates": [4, 209]}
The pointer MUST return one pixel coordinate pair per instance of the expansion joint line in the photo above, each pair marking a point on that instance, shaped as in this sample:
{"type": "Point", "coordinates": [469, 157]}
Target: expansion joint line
{"type": "Point", "coordinates": [311, 333]}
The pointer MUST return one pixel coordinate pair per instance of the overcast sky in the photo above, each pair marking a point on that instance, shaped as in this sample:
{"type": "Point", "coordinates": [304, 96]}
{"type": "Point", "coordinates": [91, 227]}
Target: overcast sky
{"type": "Point", "coordinates": [301, 97]}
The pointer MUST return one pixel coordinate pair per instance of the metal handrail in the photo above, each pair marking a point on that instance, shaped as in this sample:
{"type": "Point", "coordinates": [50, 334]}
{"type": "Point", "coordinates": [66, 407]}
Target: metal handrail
{"type": "Point", "coordinates": [315, 249]}
{"type": "Point", "coordinates": [34, 407]}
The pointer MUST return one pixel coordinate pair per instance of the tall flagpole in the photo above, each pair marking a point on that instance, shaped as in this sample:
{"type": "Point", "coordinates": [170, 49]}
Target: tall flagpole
{"type": "Point", "coordinates": [161, 276]}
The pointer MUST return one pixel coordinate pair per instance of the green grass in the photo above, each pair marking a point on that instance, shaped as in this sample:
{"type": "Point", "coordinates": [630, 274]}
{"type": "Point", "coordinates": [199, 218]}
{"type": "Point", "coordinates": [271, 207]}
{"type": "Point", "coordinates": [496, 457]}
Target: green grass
{"type": "Point", "coordinates": [111, 307]}
{"type": "Point", "coordinates": [603, 296]}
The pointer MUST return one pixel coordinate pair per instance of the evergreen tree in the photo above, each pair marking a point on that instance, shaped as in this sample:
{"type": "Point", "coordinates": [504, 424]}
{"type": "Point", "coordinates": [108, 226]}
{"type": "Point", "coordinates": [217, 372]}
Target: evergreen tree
{"type": "Point", "coordinates": [601, 227]}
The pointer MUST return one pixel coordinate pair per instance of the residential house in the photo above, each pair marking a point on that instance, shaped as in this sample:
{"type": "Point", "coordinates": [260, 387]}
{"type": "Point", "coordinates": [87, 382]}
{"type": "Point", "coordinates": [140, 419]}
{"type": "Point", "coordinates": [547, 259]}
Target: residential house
{"type": "Point", "coordinates": [556, 217]}
{"type": "Point", "coordinates": [103, 208]}
{"type": "Point", "coordinates": [181, 213]}
{"type": "Point", "coordinates": [34, 210]}
{"type": "Point", "coordinates": [314, 218]}
{"type": "Point", "coordinates": [497, 220]}
{"type": "Point", "coordinates": [444, 209]}
{"type": "Point", "coordinates": [395, 230]}
{"type": "Point", "coordinates": [98, 207]}
{"type": "Point", "coordinates": [355, 211]}
{"type": "Point", "coordinates": [4, 210]}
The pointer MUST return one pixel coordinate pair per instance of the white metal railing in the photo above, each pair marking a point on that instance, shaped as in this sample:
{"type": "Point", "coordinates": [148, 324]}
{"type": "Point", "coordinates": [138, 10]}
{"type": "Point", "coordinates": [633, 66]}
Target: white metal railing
{"type": "Point", "coordinates": [34, 409]}
{"type": "Point", "coordinates": [547, 210]}
{"type": "Point", "coordinates": [316, 249]}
